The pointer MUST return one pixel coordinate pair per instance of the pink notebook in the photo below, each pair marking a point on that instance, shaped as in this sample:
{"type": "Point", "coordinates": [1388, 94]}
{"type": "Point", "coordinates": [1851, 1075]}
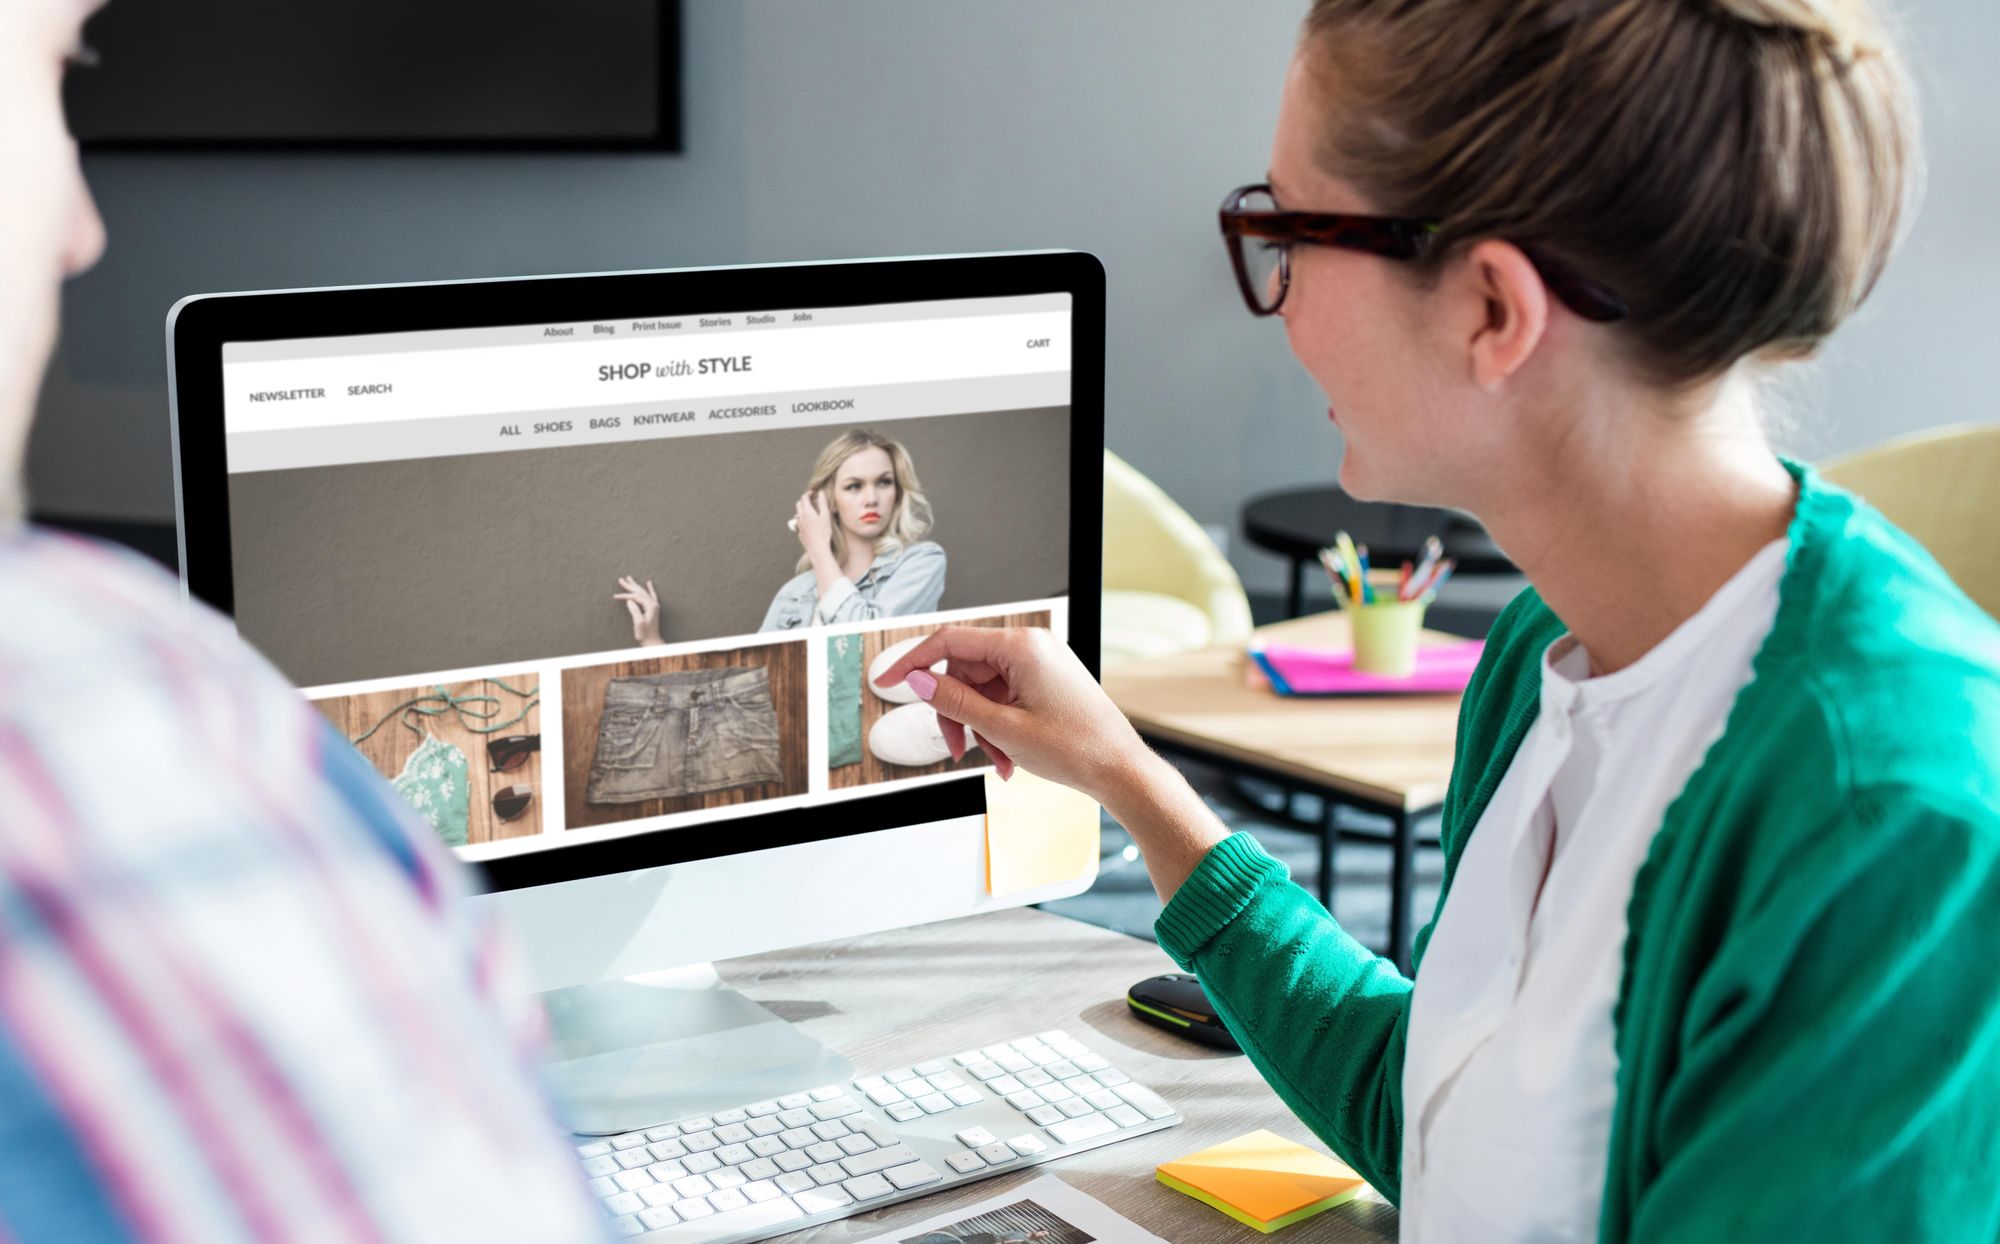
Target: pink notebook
{"type": "Point", "coordinates": [1320, 671]}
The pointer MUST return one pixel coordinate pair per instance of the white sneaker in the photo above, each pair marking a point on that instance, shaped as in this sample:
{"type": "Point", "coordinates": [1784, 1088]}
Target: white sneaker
{"type": "Point", "coordinates": [910, 735]}
{"type": "Point", "coordinates": [900, 693]}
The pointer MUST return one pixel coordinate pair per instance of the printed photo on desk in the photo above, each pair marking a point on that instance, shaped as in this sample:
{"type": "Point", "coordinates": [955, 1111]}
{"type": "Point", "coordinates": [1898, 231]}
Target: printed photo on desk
{"type": "Point", "coordinates": [467, 755]}
{"type": "Point", "coordinates": [645, 738]}
{"type": "Point", "coordinates": [1018, 1223]}
{"type": "Point", "coordinates": [877, 734]}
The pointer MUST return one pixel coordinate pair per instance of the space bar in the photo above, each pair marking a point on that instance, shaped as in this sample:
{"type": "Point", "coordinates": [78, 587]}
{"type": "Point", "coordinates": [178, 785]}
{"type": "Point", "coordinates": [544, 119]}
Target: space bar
{"type": "Point", "coordinates": [735, 1222]}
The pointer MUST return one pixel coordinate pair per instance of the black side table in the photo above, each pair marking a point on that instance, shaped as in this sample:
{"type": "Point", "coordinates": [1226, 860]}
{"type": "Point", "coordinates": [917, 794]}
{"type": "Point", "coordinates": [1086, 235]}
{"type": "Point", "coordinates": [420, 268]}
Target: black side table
{"type": "Point", "coordinates": [1298, 523]}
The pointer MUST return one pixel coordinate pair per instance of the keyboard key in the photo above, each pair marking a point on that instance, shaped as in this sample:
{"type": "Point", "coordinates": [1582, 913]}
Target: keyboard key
{"type": "Point", "coordinates": [702, 1124]}
{"type": "Point", "coordinates": [728, 1177]}
{"type": "Point", "coordinates": [624, 1203]}
{"type": "Point", "coordinates": [903, 1111]}
{"type": "Point", "coordinates": [1111, 1077]}
{"type": "Point", "coordinates": [997, 1153]}
{"type": "Point", "coordinates": [727, 1199]}
{"type": "Point", "coordinates": [595, 1149]}
{"type": "Point", "coordinates": [877, 1133]}
{"type": "Point", "coordinates": [1052, 1035]}
{"type": "Point", "coordinates": [793, 1101]}
{"type": "Point", "coordinates": [856, 1143]}
{"type": "Point", "coordinates": [820, 1200]}
{"type": "Point", "coordinates": [767, 1126]}
{"type": "Point", "coordinates": [1103, 1099]}
{"type": "Point", "coordinates": [1010, 1061]}
{"type": "Point", "coordinates": [868, 1187]}
{"type": "Point", "coordinates": [824, 1151]}
{"type": "Point", "coordinates": [629, 1140]}
{"type": "Point", "coordinates": [700, 1142]}
{"type": "Point", "coordinates": [797, 1138]}
{"type": "Point", "coordinates": [665, 1150]}
{"type": "Point", "coordinates": [795, 1181]}
{"type": "Point", "coordinates": [1034, 1077]}
{"type": "Point", "coordinates": [693, 1186]}
{"type": "Point", "coordinates": [731, 1116]}
{"type": "Point", "coordinates": [1125, 1116]}
{"type": "Point", "coordinates": [659, 1216]}
{"type": "Point", "coordinates": [827, 1173]}
{"type": "Point", "coordinates": [915, 1087]}
{"type": "Point", "coordinates": [733, 1134]}
{"type": "Point", "coordinates": [946, 1081]}
{"type": "Point", "coordinates": [1144, 1100]}
{"type": "Point", "coordinates": [879, 1159]}
{"type": "Point", "coordinates": [1046, 1115]}
{"type": "Point", "coordinates": [930, 1068]}
{"type": "Point", "coordinates": [838, 1109]}
{"type": "Point", "coordinates": [968, 1058]}
{"type": "Point", "coordinates": [1005, 1086]}
{"type": "Point", "coordinates": [832, 1129]}
{"type": "Point", "coordinates": [701, 1163]}
{"type": "Point", "coordinates": [913, 1175]}
{"type": "Point", "coordinates": [974, 1137]}
{"type": "Point", "coordinates": [831, 1092]}
{"type": "Point", "coordinates": [1076, 1131]}
{"type": "Point", "coordinates": [762, 1109]}
{"type": "Point", "coordinates": [966, 1095]}
{"type": "Point", "coordinates": [886, 1095]}
{"type": "Point", "coordinates": [1076, 1107]}
{"type": "Point", "coordinates": [983, 1071]}
{"type": "Point", "coordinates": [1026, 1099]}
{"type": "Point", "coordinates": [935, 1103]}
{"type": "Point", "coordinates": [901, 1074]}
{"type": "Point", "coordinates": [1055, 1093]}
{"type": "Point", "coordinates": [632, 1181]}
{"type": "Point", "coordinates": [735, 1154]}
{"type": "Point", "coordinates": [691, 1210]}
{"type": "Point", "coordinates": [793, 1160]}
{"type": "Point", "coordinates": [1027, 1146]}
{"type": "Point", "coordinates": [606, 1165]}
{"type": "Point", "coordinates": [761, 1190]}
{"type": "Point", "coordinates": [1063, 1069]}
{"type": "Point", "coordinates": [767, 1146]}
{"type": "Point", "coordinates": [965, 1161]}
{"type": "Point", "coordinates": [633, 1157]}
{"type": "Point", "coordinates": [658, 1194]}
{"type": "Point", "coordinates": [1090, 1062]}
{"type": "Point", "coordinates": [796, 1118]}
{"type": "Point", "coordinates": [627, 1226]}
{"type": "Point", "coordinates": [602, 1187]}
{"type": "Point", "coordinates": [667, 1172]}
{"type": "Point", "coordinates": [1038, 1054]}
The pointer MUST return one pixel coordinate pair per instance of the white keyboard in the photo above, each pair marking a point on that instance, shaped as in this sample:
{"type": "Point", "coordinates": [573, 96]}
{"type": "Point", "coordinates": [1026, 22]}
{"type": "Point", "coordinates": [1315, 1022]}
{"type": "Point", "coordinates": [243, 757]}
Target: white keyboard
{"type": "Point", "coordinates": [774, 1166]}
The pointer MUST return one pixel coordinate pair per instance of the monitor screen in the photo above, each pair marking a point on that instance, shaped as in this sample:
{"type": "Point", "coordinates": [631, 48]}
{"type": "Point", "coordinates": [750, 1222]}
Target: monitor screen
{"type": "Point", "coordinates": [568, 582]}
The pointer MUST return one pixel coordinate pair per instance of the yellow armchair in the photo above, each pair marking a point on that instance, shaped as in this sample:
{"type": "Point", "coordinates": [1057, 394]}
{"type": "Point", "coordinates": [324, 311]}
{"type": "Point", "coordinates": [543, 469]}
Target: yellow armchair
{"type": "Point", "coordinates": [1943, 488]}
{"type": "Point", "coordinates": [1167, 588]}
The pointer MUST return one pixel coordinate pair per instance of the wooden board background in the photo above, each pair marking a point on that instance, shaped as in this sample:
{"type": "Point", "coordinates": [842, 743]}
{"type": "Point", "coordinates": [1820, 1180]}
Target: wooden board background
{"type": "Point", "coordinates": [583, 706]}
{"type": "Point", "coordinates": [391, 746]}
{"type": "Point", "coordinates": [870, 770]}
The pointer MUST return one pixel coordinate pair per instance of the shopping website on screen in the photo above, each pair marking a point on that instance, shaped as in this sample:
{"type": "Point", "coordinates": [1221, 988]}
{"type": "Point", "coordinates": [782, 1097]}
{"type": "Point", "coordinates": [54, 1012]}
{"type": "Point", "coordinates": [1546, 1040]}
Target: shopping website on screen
{"type": "Point", "coordinates": [564, 582]}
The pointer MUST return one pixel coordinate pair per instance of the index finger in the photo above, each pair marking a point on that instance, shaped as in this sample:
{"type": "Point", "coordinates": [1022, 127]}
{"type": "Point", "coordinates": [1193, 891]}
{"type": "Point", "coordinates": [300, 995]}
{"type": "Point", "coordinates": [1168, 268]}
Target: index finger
{"type": "Point", "coordinates": [972, 650]}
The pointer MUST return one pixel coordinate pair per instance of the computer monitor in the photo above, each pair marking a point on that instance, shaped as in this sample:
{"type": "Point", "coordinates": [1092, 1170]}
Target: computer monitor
{"type": "Point", "coordinates": [444, 510]}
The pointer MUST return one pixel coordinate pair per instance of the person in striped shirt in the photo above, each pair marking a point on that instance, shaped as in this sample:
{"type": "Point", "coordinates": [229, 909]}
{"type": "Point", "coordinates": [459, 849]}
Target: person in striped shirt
{"type": "Point", "coordinates": [240, 999]}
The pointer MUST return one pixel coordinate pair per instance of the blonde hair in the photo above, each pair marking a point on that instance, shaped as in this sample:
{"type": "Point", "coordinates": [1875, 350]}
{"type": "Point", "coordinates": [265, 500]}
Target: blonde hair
{"type": "Point", "coordinates": [908, 523]}
{"type": "Point", "coordinates": [1739, 171]}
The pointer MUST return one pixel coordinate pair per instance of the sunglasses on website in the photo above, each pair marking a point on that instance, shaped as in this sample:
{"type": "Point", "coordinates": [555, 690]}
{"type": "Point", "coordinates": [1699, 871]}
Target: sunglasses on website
{"type": "Point", "coordinates": [512, 752]}
{"type": "Point", "coordinates": [512, 802]}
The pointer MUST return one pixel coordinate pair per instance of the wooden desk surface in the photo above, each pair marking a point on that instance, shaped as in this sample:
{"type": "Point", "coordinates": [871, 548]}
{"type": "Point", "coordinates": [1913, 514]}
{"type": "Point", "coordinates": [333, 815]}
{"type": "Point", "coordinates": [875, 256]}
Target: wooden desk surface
{"type": "Point", "coordinates": [931, 991]}
{"type": "Point", "coordinates": [1394, 750]}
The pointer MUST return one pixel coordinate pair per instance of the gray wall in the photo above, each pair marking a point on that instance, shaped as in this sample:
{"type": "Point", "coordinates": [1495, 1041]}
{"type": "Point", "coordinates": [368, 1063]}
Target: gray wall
{"type": "Point", "coordinates": [904, 126]}
{"type": "Point", "coordinates": [374, 569]}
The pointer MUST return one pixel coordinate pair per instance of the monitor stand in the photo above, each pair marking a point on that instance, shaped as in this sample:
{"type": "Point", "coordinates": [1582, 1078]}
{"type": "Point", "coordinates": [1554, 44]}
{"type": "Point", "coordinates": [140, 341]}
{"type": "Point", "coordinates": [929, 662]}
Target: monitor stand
{"type": "Point", "coordinates": [635, 1053]}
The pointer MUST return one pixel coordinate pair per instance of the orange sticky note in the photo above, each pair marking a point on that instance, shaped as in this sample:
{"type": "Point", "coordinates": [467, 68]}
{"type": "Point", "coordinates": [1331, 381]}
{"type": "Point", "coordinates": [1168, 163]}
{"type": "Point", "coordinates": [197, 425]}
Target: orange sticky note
{"type": "Point", "coordinates": [1037, 833]}
{"type": "Point", "coordinates": [1263, 1180]}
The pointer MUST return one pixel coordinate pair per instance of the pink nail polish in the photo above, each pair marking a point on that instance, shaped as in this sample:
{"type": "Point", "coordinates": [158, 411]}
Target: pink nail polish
{"type": "Point", "coordinates": [923, 682]}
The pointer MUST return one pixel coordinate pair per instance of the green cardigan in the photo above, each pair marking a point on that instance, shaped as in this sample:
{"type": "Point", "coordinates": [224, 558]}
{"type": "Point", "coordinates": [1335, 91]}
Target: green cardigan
{"type": "Point", "coordinates": [1808, 1024]}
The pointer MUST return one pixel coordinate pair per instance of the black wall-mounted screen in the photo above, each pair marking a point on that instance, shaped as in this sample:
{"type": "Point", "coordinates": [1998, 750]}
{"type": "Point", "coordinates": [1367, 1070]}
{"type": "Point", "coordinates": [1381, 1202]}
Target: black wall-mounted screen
{"type": "Point", "coordinates": [381, 73]}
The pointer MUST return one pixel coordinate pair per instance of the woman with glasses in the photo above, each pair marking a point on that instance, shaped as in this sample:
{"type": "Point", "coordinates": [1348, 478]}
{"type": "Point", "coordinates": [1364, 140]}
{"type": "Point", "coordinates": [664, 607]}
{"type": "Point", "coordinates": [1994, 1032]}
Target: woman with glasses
{"type": "Point", "coordinates": [1718, 950]}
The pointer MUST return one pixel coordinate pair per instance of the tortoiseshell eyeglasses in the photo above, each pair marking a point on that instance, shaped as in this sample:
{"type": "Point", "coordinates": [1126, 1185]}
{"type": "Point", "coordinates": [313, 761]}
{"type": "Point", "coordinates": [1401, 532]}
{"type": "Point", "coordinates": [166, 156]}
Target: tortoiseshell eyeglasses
{"type": "Point", "coordinates": [1260, 237]}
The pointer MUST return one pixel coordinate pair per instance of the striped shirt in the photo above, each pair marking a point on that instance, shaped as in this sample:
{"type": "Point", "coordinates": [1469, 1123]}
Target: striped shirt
{"type": "Point", "coordinates": [240, 999]}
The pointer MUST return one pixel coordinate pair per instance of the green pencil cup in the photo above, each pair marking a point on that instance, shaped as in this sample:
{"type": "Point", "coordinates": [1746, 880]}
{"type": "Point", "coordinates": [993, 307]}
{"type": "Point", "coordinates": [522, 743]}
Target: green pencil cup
{"type": "Point", "coordinates": [1386, 632]}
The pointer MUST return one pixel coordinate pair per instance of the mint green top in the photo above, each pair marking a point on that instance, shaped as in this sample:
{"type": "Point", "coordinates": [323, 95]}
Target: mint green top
{"type": "Point", "coordinates": [1808, 1025]}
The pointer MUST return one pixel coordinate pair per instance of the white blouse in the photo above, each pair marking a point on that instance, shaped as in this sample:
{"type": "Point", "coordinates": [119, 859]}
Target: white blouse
{"type": "Point", "coordinates": [1509, 1073]}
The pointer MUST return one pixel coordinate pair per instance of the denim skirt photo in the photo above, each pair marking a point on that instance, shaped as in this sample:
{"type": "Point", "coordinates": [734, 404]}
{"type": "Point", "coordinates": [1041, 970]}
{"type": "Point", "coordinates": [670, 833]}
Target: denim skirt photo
{"type": "Point", "coordinates": [663, 736]}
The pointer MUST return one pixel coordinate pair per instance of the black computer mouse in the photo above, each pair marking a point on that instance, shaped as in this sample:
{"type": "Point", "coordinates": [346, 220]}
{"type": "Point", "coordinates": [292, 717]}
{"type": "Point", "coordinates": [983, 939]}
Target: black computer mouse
{"type": "Point", "coordinates": [1176, 1003]}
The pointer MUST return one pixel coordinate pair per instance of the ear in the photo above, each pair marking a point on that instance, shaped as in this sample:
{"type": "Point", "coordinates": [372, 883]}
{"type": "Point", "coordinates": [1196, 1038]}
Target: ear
{"type": "Point", "coordinates": [1512, 310]}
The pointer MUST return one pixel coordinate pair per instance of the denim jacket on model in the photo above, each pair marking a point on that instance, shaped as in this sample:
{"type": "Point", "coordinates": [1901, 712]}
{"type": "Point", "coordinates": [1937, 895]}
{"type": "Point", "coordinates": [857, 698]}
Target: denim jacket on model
{"type": "Point", "coordinates": [897, 585]}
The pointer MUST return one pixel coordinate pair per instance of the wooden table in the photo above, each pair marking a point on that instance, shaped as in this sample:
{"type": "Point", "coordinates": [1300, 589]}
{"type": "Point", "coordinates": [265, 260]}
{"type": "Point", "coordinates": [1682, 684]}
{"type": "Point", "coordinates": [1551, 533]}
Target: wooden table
{"type": "Point", "coordinates": [1389, 755]}
{"type": "Point", "coordinates": [887, 997]}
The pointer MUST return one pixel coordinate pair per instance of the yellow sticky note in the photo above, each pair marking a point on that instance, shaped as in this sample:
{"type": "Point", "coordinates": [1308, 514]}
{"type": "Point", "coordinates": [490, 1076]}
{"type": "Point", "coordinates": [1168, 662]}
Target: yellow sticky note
{"type": "Point", "coordinates": [1037, 833]}
{"type": "Point", "coordinates": [1263, 1180]}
